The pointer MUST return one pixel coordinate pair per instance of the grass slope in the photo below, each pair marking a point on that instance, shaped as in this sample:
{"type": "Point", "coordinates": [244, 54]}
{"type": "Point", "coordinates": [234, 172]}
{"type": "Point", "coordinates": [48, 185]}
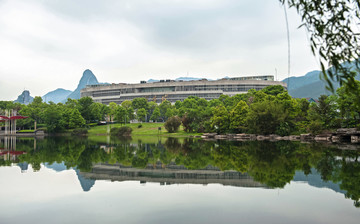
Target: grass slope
{"type": "Point", "coordinates": [146, 129]}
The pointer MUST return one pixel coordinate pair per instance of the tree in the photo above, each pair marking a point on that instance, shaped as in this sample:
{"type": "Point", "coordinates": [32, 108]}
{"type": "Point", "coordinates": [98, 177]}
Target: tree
{"type": "Point", "coordinates": [334, 37]}
{"type": "Point", "coordinates": [112, 110]}
{"type": "Point", "coordinates": [35, 110]}
{"type": "Point", "coordinates": [349, 105]}
{"type": "Point", "coordinates": [104, 111]}
{"type": "Point", "coordinates": [164, 107]}
{"type": "Point", "coordinates": [96, 111]}
{"type": "Point", "coordinates": [152, 106]}
{"type": "Point", "coordinates": [126, 104]}
{"type": "Point", "coordinates": [303, 106]}
{"type": "Point", "coordinates": [76, 120]}
{"type": "Point", "coordinates": [141, 114]}
{"type": "Point", "coordinates": [221, 120]}
{"type": "Point", "coordinates": [238, 117]}
{"type": "Point", "coordinates": [265, 117]}
{"type": "Point", "coordinates": [84, 108]}
{"type": "Point", "coordinates": [324, 112]}
{"type": "Point", "coordinates": [121, 114]}
{"type": "Point", "coordinates": [130, 113]}
{"type": "Point", "coordinates": [273, 90]}
{"type": "Point", "coordinates": [172, 124]}
{"type": "Point", "coordinates": [53, 118]}
{"type": "Point", "coordinates": [156, 114]}
{"type": "Point", "coordinates": [71, 103]}
{"type": "Point", "coordinates": [139, 103]}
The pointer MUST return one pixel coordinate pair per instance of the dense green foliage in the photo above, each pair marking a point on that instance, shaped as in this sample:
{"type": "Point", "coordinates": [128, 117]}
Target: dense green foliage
{"type": "Point", "coordinates": [58, 117]}
{"type": "Point", "coordinates": [172, 124]}
{"type": "Point", "coordinates": [267, 111]}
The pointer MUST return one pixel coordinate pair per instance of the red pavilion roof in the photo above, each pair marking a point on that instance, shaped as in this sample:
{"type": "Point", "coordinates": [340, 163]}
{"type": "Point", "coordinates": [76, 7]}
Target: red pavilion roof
{"type": "Point", "coordinates": [17, 117]}
{"type": "Point", "coordinates": [12, 118]}
{"type": "Point", "coordinates": [12, 152]}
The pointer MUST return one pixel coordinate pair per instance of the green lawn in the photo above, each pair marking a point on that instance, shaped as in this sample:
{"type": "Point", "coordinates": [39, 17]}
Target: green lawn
{"type": "Point", "coordinates": [146, 129]}
{"type": "Point", "coordinates": [134, 139]}
{"type": "Point", "coordinates": [26, 131]}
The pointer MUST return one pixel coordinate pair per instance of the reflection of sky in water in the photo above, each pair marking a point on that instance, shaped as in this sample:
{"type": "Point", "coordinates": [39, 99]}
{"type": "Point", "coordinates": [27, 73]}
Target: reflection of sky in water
{"type": "Point", "coordinates": [48, 196]}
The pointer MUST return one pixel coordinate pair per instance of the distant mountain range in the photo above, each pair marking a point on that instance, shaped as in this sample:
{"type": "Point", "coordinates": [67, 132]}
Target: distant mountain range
{"type": "Point", "coordinates": [61, 95]}
{"type": "Point", "coordinates": [57, 95]}
{"type": "Point", "coordinates": [88, 78]}
{"type": "Point", "coordinates": [24, 98]}
{"type": "Point", "coordinates": [310, 85]}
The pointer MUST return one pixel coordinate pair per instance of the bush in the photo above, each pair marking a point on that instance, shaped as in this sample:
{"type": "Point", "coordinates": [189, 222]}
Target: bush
{"type": "Point", "coordinates": [283, 129]}
{"type": "Point", "coordinates": [122, 131]}
{"type": "Point", "coordinates": [315, 127]}
{"type": "Point", "coordinates": [140, 126]}
{"type": "Point", "coordinates": [172, 124]}
{"type": "Point", "coordinates": [80, 131]}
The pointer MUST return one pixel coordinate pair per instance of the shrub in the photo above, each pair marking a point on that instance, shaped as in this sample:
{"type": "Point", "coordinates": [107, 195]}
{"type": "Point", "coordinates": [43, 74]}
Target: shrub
{"type": "Point", "coordinates": [80, 131]}
{"type": "Point", "coordinates": [140, 126]}
{"type": "Point", "coordinates": [186, 122]}
{"type": "Point", "coordinates": [315, 127]}
{"type": "Point", "coordinates": [172, 124]}
{"type": "Point", "coordinates": [283, 129]}
{"type": "Point", "coordinates": [122, 131]}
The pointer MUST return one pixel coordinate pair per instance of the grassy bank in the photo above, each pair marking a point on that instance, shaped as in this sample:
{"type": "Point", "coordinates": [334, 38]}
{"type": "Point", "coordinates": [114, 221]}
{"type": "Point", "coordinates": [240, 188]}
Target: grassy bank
{"type": "Point", "coordinates": [146, 129]}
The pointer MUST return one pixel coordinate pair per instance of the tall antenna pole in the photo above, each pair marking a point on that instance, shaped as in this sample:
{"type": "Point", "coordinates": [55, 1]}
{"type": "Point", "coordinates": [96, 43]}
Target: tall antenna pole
{"type": "Point", "coordinates": [288, 39]}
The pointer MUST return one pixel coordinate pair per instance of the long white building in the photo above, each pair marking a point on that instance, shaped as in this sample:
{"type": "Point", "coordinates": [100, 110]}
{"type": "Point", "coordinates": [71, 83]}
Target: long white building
{"type": "Point", "coordinates": [176, 90]}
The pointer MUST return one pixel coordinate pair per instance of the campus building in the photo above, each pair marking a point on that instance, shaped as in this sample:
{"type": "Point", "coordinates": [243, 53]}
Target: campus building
{"type": "Point", "coordinates": [172, 90]}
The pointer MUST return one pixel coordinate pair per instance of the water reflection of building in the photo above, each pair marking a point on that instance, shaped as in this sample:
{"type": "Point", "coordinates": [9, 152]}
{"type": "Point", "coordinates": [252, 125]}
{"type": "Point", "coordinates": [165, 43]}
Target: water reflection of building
{"type": "Point", "coordinates": [170, 174]}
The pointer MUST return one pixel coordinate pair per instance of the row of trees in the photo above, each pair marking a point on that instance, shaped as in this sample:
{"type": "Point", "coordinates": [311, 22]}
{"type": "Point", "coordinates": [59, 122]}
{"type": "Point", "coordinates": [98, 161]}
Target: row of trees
{"type": "Point", "coordinates": [267, 111]}
{"type": "Point", "coordinates": [58, 117]}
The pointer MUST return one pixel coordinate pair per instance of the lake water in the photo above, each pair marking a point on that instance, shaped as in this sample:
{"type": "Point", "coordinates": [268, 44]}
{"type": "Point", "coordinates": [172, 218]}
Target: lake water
{"type": "Point", "coordinates": [160, 180]}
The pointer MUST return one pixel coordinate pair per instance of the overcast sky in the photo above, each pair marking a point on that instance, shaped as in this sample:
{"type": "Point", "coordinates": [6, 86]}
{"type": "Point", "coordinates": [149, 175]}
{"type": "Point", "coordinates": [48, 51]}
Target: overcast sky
{"type": "Point", "coordinates": [47, 44]}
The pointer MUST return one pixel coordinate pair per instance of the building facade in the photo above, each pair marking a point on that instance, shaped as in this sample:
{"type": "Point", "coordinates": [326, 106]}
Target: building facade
{"type": "Point", "coordinates": [176, 90]}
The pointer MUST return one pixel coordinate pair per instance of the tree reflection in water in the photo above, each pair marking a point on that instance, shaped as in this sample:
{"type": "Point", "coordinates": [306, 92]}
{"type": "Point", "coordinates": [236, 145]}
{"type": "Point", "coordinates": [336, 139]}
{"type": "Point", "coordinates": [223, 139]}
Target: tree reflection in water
{"type": "Point", "coordinates": [270, 163]}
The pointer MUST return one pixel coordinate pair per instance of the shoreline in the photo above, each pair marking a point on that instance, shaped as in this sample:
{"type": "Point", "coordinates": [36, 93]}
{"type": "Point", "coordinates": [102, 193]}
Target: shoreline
{"type": "Point", "coordinates": [342, 135]}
